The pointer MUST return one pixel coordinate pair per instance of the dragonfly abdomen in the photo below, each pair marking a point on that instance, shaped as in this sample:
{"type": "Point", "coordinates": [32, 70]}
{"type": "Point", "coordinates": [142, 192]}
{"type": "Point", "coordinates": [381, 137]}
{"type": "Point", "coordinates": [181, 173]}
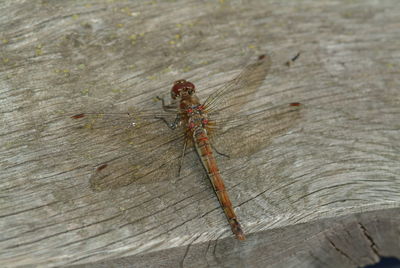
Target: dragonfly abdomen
{"type": "Point", "coordinates": [207, 158]}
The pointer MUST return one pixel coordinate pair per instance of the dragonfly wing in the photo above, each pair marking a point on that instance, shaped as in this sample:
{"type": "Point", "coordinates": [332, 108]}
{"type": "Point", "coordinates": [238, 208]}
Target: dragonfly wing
{"type": "Point", "coordinates": [110, 121]}
{"type": "Point", "coordinates": [247, 134]}
{"type": "Point", "coordinates": [230, 97]}
{"type": "Point", "coordinates": [139, 166]}
{"type": "Point", "coordinates": [134, 148]}
{"type": "Point", "coordinates": [234, 132]}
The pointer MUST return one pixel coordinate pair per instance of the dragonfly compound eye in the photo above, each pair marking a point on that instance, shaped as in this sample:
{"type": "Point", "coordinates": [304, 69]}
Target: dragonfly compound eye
{"type": "Point", "coordinates": [182, 86]}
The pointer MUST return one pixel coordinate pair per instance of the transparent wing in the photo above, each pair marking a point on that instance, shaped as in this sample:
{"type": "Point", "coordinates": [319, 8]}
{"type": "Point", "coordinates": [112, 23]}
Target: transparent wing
{"type": "Point", "coordinates": [139, 167]}
{"type": "Point", "coordinates": [230, 97]}
{"type": "Point", "coordinates": [244, 135]}
{"type": "Point", "coordinates": [238, 134]}
{"type": "Point", "coordinates": [130, 148]}
{"type": "Point", "coordinates": [110, 120]}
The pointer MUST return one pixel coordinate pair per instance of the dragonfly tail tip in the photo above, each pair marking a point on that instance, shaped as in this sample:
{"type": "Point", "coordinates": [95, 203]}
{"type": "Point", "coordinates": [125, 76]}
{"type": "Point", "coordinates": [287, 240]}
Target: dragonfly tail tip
{"type": "Point", "coordinates": [237, 229]}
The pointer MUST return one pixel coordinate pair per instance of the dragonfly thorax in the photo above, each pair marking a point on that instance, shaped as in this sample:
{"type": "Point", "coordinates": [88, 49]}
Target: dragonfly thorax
{"type": "Point", "coordinates": [196, 119]}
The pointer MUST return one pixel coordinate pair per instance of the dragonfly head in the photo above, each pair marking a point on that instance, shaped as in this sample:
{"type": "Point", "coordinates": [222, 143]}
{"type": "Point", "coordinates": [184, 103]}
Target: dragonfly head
{"type": "Point", "coordinates": [182, 88]}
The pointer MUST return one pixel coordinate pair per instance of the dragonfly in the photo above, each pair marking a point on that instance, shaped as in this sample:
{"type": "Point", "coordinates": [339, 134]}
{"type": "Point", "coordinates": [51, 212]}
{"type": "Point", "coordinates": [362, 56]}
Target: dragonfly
{"type": "Point", "coordinates": [159, 139]}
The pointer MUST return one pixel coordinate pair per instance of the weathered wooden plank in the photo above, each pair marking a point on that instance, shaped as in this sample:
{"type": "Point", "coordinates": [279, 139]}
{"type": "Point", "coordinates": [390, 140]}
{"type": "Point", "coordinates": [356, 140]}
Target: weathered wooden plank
{"type": "Point", "coordinates": [295, 194]}
{"type": "Point", "coordinates": [347, 241]}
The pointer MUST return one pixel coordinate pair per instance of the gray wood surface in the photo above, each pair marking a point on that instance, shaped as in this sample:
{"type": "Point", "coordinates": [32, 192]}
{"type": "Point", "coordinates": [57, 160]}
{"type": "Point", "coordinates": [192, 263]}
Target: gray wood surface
{"type": "Point", "coordinates": [321, 189]}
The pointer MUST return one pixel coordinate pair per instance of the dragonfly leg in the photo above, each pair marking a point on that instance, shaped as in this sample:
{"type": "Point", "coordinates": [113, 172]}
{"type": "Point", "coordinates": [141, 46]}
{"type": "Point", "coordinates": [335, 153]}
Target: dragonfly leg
{"type": "Point", "coordinates": [169, 108]}
{"type": "Point", "coordinates": [171, 125]}
{"type": "Point", "coordinates": [222, 154]}
{"type": "Point", "coordinates": [182, 157]}
{"type": "Point", "coordinates": [166, 107]}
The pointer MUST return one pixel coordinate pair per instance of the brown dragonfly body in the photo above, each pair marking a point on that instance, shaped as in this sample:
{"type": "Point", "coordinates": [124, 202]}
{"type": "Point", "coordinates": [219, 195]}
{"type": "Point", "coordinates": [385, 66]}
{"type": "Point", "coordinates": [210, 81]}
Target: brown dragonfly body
{"type": "Point", "coordinates": [195, 117]}
{"type": "Point", "coordinates": [156, 149]}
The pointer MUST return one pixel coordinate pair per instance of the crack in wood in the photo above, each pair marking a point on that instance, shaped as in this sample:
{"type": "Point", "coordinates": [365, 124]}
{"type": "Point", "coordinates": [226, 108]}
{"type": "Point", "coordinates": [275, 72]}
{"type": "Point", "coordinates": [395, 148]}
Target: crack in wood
{"type": "Point", "coordinates": [373, 246]}
{"type": "Point", "coordinates": [187, 251]}
{"type": "Point", "coordinates": [180, 225]}
{"type": "Point", "coordinates": [342, 252]}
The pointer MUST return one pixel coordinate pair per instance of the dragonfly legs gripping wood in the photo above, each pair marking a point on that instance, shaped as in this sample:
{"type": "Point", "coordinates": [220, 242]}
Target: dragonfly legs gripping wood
{"type": "Point", "coordinates": [171, 125]}
{"type": "Point", "coordinates": [221, 154]}
{"type": "Point", "coordinates": [168, 108]}
{"type": "Point", "coordinates": [182, 157]}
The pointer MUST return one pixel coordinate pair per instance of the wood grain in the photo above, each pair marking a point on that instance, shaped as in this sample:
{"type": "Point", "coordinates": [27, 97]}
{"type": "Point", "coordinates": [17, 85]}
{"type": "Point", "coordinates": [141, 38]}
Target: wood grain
{"type": "Point", "coordinates": [323, 192]}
